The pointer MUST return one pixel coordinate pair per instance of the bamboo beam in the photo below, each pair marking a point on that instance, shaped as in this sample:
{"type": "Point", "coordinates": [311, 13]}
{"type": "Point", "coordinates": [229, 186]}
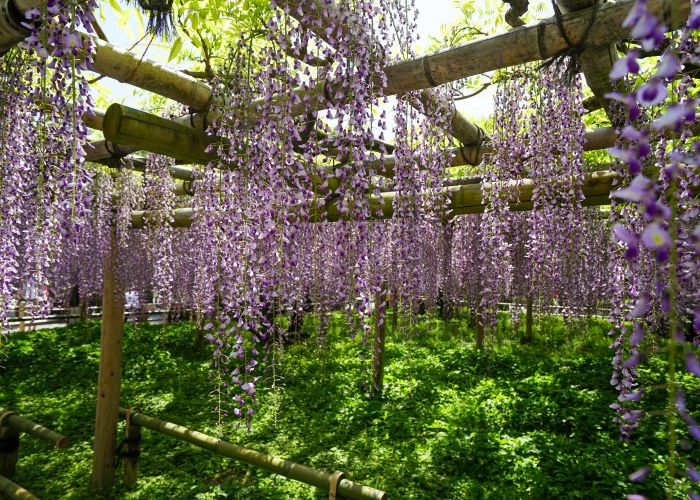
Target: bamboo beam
{"type": "Point", "coordinates": [463, 199]}
{"type": "Point", "coordinates": [291, 470]}
{"type": "Point", "coordinates": [14, 491]}
{"type": "Point", "coordinates": [316, 18]}
{"type": "Point", "coordinates": [129, 67]}
{"type": "Point", "coordinates": [124, 125]}
{"type": "Point", "coordinates": [133, 130]}
{"type": "Point", "coordinates": [11, 419]}
{"type": "Point", "coordinates": [517, 46]}
{"type": "Point", "coordinates": [11, 31]}
{"type": "Point", "coordinates": [522, 45]}
{"type": "Point", "coordinates": [107, 411]}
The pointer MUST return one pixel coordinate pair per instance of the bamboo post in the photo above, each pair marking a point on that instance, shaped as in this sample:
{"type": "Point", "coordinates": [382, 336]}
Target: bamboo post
{"type": "Point", "coordinates": [107, 413]}
{"type": "Point", "coordinates": [320, 479]}
{"type": "Point", "coordinates": [14, 491]}
{"type": "Point", "coordinates": [11, 419]}
{"type": "Point", "coordinates": [381, 302]}
{"type": "Point", "coordinates": [527, 338]}
{"type": "Point", "coordinates": [9, 446]}
{"type": "Point", "coordinates": [479, 337]}
{"type": "Point", "coordinates": [83, 309]}
{"type": "Point", "coordinates": [479, 333]}
{"type": "Point", "coordinates": [20, 313]}
{"type": "Point", "coordinates": [132, 451]}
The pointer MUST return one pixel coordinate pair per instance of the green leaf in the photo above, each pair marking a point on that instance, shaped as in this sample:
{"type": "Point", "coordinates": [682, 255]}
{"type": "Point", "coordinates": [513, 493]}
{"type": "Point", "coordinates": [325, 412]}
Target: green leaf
{"type": "Point", "coordinates": [175, 50]}
{"type": "Point", "coordinates": [115, 5]}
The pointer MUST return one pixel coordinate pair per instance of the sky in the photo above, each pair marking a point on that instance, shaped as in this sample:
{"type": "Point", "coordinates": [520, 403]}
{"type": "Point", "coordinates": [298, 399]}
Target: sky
{"type": "Point", "coordinates": [432, 14]}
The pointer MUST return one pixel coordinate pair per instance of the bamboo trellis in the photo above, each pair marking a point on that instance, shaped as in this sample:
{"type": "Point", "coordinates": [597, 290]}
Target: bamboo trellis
{"type": "Point", "coordinates": [518, 46]}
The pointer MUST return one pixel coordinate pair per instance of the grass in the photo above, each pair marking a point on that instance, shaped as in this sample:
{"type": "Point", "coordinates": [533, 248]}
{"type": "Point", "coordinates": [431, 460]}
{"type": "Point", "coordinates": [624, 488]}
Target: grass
{"type": "Point", "coordinates": [512, 422]}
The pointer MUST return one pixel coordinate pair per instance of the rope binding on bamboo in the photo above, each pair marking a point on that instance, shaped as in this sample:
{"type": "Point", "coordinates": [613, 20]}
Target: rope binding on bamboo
{"type": "Point", "coordinates": [123, 449]}
{"type": "Point", "coordinates": [571, 54]}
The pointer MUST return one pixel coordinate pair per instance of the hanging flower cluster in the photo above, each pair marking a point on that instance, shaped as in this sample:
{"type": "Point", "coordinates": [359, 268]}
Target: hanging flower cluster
{"type": "Point", "coordinates": [44, 97]}
{"type": "Point", "coordinates": [657, 217]}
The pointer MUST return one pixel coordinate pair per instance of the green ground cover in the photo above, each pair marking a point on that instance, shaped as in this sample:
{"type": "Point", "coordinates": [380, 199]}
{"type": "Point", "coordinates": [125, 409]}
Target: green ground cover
{"type": "Point", "coordinates": [512, 422]}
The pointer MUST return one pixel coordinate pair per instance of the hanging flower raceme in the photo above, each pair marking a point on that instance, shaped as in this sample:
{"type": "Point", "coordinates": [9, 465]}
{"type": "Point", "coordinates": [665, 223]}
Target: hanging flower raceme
{"type": "Point", "coordinates": [503, 171]}
{"type": "Point", "coordinates": [158, 188]}
{"type": "Point", "coordinates": [16, 177]}
{"type": "Point", "coordinates": [658, 207]}
{"type": "Point", "coordinates": [57, 95]}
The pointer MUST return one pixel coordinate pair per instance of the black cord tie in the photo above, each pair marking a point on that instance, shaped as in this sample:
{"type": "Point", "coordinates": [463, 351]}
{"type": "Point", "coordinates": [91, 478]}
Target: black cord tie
{"type": "Point", "coordinates": [9, 444]}
{"type": "Point", "coordinates": [571, 54]}
{"type": "Point", "coordinates": [114, 151]}
{"type": "Point", "coordinates": [191, 112]}
{"type": "Point", "coordinates": [121, 452]}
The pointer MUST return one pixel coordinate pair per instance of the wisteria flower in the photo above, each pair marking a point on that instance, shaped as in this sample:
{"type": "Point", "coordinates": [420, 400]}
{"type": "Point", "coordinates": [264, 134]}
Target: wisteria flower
{"type": "Point", "coordinates": [625, 65]}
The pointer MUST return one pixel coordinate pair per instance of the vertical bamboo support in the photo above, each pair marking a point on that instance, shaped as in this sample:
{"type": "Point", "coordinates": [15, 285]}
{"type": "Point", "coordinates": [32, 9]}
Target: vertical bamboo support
{"type": "Point", "coordinates": [479, 336]}
{"type": "Point", "coordinates": [107, 414]}
{"type": "Point", "coordinates": [20, 314]}
{"type": "Point", "coordinates": [9, 444]}
{"type": "Point", "coordinates": [379, 345]}
{"type": "Point", "coordinates": [83, 309]}
{"type": "Point", "coordinates": [394, 301]}
{"type": "Point", "coordinates": [132, 452]}
{"type": "Point", "coordinates": [527, 338]}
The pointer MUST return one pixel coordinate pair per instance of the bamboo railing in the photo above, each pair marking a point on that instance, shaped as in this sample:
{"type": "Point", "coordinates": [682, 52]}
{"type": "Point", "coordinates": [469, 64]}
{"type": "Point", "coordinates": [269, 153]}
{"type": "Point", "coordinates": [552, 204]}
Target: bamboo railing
{"type": "Point", "coordinates": [14, 491]}
{"type": "Point", "coordinates": [14, 421]}
{"type": "Point", "coordinates": [291, 470]}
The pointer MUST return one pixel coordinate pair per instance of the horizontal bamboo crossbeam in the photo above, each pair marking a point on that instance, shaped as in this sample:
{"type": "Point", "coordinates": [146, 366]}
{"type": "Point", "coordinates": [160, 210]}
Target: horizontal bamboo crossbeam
{"type": "Point", "coordinates": [307, 475]}
{"type": "Point", "coordinates": [14, 491]}
{"type": "Point", "coordinates": [129, 67]}
{"type": "Point", "coordinates": [134, 130]}
{"type": "Point", "coordinates": [463, 199]}
{"type": "Point", "coordinates": [11, 419]}
{"type": "Point", "coordinates": [124, 125]}
{"type": "Point", "coordinates": [526, 44]}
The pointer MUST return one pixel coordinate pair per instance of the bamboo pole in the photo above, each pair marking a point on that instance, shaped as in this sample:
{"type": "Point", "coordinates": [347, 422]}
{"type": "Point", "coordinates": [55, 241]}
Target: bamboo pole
{"type": "Point", "coordinates": [129, 67]}
{"type": "Point", "coordinates": [11, 419]}
{"type": "Point", "coordinates": [381, 305]}
{"type": "Point", "coordinates": [316, 19]}
{"type": "Point", "coordinates": [107, 412]}
{"type": "Point", "coordinates": [291, 470]}
{"type": "Point", "coordinates": [463, 199]}
{"type": "Point", "coordinates": [479, 334]}
{"type": "Point", "coordinates": [124, 125]}
{"type": "Point", "coordinates": [14, 491]}
{"type": "Point", "coordinates": [133, 450]}
{"type": "Point", "coordinates": [522, 45]}
{"type": "Point", "coordinates": [11, 31]}
{"type": "Point", "coordinates": [517, 46]}
{"type": "Point", "coordinates": [21, 309]}
{"type": "Point", "coordinates": [9, 446]}
{"type": "Point", "coordinates": [527, 338]}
